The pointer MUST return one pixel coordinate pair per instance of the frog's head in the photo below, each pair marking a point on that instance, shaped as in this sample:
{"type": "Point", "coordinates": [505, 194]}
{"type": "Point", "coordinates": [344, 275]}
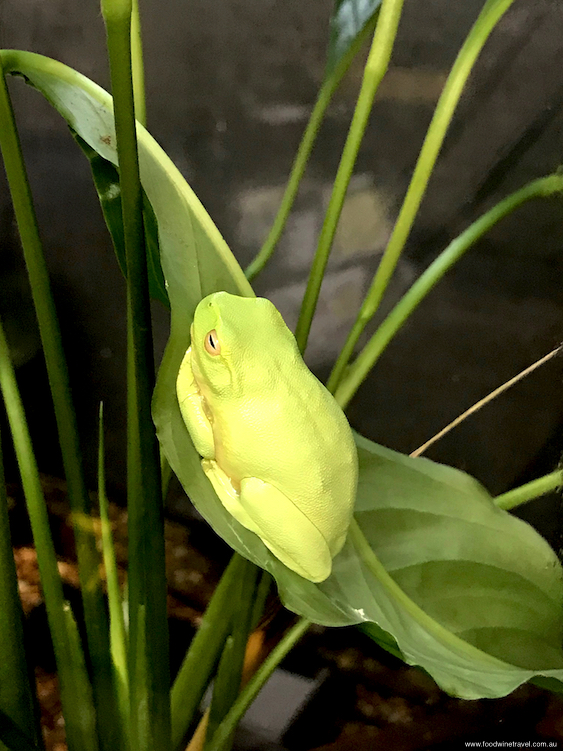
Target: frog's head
{"type": "Point", "coordinates": [234, 339]}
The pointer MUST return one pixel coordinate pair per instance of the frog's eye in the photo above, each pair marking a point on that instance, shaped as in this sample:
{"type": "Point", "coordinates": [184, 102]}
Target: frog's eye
{"type": "Point", "coordinates": [211, 343]}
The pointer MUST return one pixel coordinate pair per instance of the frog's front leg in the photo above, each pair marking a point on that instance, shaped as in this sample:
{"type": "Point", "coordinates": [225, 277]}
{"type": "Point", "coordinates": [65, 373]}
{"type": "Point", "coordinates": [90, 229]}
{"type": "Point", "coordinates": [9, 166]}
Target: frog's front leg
{"type": "Point", "coordinates": [226, 492]}
{"type": "Point", "coordinates": [192, 407]}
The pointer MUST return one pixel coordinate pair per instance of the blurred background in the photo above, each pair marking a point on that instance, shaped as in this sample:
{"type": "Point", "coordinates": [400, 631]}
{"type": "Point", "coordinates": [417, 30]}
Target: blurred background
{"type": "Point", "coordinates": [230, 86]}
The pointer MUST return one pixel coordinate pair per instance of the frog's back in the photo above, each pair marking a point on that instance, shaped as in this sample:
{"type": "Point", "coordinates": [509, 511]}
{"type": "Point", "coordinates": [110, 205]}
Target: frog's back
{"type": "Point", "coordinates": [316, 468]}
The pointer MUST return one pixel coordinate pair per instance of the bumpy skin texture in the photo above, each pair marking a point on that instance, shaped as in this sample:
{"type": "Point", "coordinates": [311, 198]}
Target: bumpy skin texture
{"type": "Point", "coordinates": [274, 443]}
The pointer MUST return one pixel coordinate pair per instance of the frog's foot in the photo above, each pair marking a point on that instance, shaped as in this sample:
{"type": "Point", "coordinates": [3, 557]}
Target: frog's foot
{"type": "Point", "coordinates": [285, 530]}
{"type": "Point", "coordinates": [192, 407]}
{"type": "Point", "coordinates": [282, 527]}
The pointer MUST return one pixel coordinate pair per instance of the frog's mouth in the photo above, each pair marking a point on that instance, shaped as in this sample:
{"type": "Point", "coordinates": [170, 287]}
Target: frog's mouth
{"type": "Point", "coordinates": [196, 373]}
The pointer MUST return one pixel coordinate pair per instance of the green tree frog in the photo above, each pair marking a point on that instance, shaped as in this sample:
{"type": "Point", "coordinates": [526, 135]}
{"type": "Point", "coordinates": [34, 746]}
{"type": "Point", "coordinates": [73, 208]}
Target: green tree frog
{"type": "Point", "coordinates": [274, 443]}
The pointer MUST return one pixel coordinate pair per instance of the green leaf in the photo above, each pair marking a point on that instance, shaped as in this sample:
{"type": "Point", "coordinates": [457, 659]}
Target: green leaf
{"type": "Point", "coordinates": [198, 261]}
{"type": "Point", "coordinates": [81, 722]}
{"type": "Point", "coordinates": [118, 633]}
{"type": "Point", "coordinates": [106, 180]}
{"type": "Point", "coordinates": [483, 590]}
{"type": "Point", "coordinates": [16, 695]}
{"type": "Point", "coordinates": [349, 20]}
{"type": "Point", "coordinates": [76, 693]}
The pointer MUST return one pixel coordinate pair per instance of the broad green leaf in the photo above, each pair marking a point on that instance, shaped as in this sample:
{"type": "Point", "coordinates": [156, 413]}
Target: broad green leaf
{"type": "Point", "coordinates": [482, 583]}
{"type": "Point", "coordinates": [106, 180]}
{"type": "Point", "coordinates": [350, 19]}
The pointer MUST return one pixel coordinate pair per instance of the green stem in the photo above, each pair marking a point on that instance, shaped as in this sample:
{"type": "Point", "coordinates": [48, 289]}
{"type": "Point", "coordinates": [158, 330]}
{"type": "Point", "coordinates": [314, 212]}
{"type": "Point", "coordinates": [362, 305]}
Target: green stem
{"type": "Point", "coordinates": [229, 672]}
{"type": "Point", "coordinates": [147, 579]}
{"type": "Point", "coordinates": [328, 88]}
{"type": "Point", "coordinates": [530, 490]}
{"type": "Point", "coordinates": [137, 65]}
{"type": "Point", "coordinates": [80, 720]}
{"type": "Point", "coordinates": [16, 695]}
{"type": "Point", "coordinates": [118, 633]}
{"type": "Point", "coordinates": [485, 23]}
{"type": "Point", "coordinates": [375, 68]}
{"type": "Point", "coordinates": [262, 592]}
{"type": "Point", "coordinates": [248, 694]}
{"type": "Point", "coordinates": [87, 555]}
{"type": "Point", "coordinates": [355, 374]}
{"type": "Point", "coordinates": [204, 652]}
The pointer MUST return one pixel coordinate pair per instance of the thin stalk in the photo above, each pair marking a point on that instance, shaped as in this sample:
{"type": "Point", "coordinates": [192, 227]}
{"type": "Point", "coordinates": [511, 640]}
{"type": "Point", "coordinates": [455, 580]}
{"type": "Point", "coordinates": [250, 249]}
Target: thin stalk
{"type": "Point", "coordinates": [427, 623]}
{"type": "Point", "coordinates": [324, 97]}
{"type": "Point", "coordinates": [229, 673]}
{"type": "Point", "coordinates": [375, 68]}
{"type": "Point", "coordinates": [516, 497]}
{"type": "Point", "coordinates": [91, 590]}
{"type": "Point", "coordinates": [79, 714]}
{"type": "Point", "coordinates": [118, 633]}
{"type": "Point", "coordinates": [16, 695]}
{"type": "Point", "coordinates": [254, 651]}
{"type": "Point", "coordinates": [204, 652]}
{"type": "Point", "coordinates": [483, 26]}
{"type": "Point", "coordinates": [147, 579]}
{"type": "Point", "coordinates": [137, 65]}
{"type": "Point", "coordinates": [223, 734]}
{"type": "Point", "coordinates": [262, 592]}
{"type": "Point", "coordinates": [355, 374]}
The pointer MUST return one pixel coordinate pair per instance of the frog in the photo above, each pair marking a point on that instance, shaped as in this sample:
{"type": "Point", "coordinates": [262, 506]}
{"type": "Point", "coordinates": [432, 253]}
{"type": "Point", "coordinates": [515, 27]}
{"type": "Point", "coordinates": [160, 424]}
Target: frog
{"type": "Point", "coordinates": [275, 445]}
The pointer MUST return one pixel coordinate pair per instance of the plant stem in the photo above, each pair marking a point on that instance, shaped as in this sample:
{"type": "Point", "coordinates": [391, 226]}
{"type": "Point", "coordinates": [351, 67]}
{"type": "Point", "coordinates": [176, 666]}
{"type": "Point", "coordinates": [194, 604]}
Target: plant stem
{"type": "Point", "coordinates": [375, 68]}
{"type": "Point", "coordinates": [137, 65]}
{"type": "Point", "coordinates": [487, 400]}
{"type": "Point", "coordinates": [16, 694]}
{"type": "Point", "coordinates": [147, 579]}
{"type": "Point", "coordinates": [118, 633]}
{"type": "Point", "coordinates": [229, 672]}
{"type": "Point", "coordinates": [87, 555]}
{"type": "Point", "coordinates": [204, 652]}
{"type": "Point", "coordinates": [355, 374]}
{"type": "Point", "coordinates": [251, 690]}
{"type": "Point", "coordinates": [530, 490]}
{"type": "Point", "coordinates": [79, 714]}
{"type": "Point", "coordinates": [324, 97]}
{"type": "Point", "coordinates": [483, 26]}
